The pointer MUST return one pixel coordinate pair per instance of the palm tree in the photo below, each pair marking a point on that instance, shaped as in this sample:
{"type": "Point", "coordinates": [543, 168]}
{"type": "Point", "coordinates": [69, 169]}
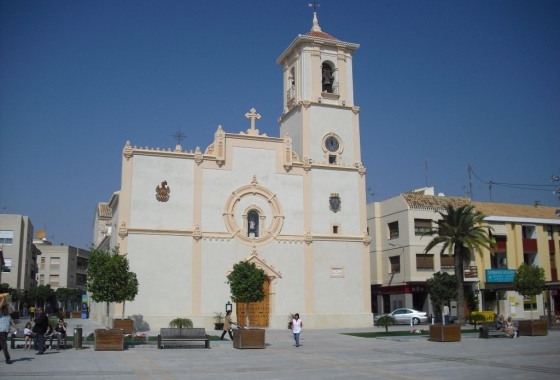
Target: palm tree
{"type": "Point", "coordinates": [461, 233]}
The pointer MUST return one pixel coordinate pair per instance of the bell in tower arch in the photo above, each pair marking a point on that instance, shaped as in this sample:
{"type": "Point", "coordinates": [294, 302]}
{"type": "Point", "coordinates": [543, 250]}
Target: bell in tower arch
{"type": "Point", "coordinates": [328, 78]}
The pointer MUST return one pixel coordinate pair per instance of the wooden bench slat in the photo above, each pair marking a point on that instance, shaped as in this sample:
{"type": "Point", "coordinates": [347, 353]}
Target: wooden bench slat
{"type": "Point", "coordinates": [187, 335]}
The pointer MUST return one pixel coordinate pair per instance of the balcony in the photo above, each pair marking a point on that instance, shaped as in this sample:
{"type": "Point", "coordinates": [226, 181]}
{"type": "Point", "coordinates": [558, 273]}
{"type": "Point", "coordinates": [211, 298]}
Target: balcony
{"type": "Point", "coordinates": [500, 246]}
{"type": "Point", "coordinates": [530, 245]}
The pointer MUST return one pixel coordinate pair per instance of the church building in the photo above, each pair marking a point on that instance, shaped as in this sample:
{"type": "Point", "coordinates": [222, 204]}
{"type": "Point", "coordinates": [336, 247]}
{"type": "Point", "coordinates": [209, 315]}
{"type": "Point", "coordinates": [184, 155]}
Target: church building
{"type": "Point", "coordinates": [295, 205]}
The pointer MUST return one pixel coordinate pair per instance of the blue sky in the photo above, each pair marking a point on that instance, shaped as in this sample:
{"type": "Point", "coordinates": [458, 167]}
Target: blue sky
{"type": "Point", "coordinates": [451, 82]}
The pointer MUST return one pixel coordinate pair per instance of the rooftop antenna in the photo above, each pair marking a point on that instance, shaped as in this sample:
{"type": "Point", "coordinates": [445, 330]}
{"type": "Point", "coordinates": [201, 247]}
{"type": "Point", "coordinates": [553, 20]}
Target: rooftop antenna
{"type": "Point", "coordinates": [470, 180]}
{"type": "Point", "coordinates": [426, 166]}
{"type": "Point", "coordinates": [370, 191]}
{"type": "Point", "coordinates": [490, 189]}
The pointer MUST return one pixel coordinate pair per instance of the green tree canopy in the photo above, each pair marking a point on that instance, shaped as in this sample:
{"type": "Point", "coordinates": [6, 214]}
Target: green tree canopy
{"type": "Point", "coordinates": [41, 294]}
{"type": "Point", "coordinates": [109, 278]}
{"type": "Point", "coordinates": [529, 281]}
{"type": "Point", "coordinates": [442, 287]}
{"type": "Point", "coordinates": [460, 232]}
{"type": "Point", "coordinates": [246, 284]}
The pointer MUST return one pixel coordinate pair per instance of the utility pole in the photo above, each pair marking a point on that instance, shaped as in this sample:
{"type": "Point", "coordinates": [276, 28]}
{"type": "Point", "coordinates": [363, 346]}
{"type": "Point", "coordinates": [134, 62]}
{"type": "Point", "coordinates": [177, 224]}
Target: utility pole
{"type": "Point", "coordinates": [490, 189]}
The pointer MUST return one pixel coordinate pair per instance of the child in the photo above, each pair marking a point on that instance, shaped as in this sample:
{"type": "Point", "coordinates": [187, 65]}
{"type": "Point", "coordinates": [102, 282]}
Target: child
{"type": "Point", "coordinates": [28, 334]}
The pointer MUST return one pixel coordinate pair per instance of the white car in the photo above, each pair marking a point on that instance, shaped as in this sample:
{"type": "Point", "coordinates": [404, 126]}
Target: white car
{"type": "Point", "coordinates": [404, 316]}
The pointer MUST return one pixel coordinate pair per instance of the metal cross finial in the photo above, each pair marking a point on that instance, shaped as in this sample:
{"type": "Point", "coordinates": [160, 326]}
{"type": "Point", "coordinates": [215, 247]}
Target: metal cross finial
{"type": "Point", "coordinates": [179, 136]}
{"type": "Point", "coordinates": [315, 5]}
{"type": "Point", "coordinates": [253, 115]}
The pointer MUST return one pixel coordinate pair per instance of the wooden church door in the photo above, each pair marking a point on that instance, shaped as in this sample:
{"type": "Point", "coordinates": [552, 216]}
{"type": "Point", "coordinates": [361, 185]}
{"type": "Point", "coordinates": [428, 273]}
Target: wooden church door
{"type": "Point", "coordinates": [258, 311]}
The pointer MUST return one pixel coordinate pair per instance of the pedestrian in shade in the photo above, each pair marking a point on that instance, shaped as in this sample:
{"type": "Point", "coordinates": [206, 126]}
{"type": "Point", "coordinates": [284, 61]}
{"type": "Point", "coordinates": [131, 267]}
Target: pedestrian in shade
{"type": "Point", "coordinates": [41, 324]}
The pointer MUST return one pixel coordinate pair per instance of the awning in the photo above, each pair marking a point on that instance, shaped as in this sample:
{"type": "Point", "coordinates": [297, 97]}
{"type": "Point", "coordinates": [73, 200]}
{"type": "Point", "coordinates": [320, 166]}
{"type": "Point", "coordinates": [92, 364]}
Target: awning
{"type": "Point", "coordinates": [498, 229]}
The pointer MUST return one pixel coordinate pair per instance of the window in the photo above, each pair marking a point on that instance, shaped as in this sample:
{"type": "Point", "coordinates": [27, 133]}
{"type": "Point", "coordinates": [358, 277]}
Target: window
{"type": "Point", "coordinates": [253, 224]}
{"type": "Point", "coordinates": [55, 263]}
{"type": "Point", "coordinates": [447, 262]}
{"type": "Point", "coordinates": [530, 258]}
{"type": "Point", "coordinates": [332, 159]}
{"type": "Point", "coordinates": [42, 263]}
{"type": "Point", "coordinates": [53, 280]}
{"type": "Point", "coordinates": [42, 279]}
{"type": "Point", "coordinates": [80, 279]}
{"type": "Point", "coordinates": [424, 262]}
{"type": "Point", "coordinates": [421, 226]}
{"type": "Point", "coordinates": [327, 78]}
{"type": "Point", "coordinates": [7, 266]}
{"type": "Point", "coordinates": [335, 229]}
{"type": "Point", "coordinates": [529, 302]}
{"type": "Point", "coordinates": [549, 229]}
{"type": "Point", "coordinates": [81, 263]}
{"type": "Point", "coordinates": [6, 237]}
{"type": "Point", "coordinates": [393, 230]}
{"type": "Point", "coordinates": [498, 260]}
{"type": "Point", "coordinates": [529, 232]}
{"type": "Point", "coordinates": [395, 264]}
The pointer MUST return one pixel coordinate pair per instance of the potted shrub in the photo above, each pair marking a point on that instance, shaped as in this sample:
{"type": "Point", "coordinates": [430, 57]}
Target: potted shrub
{"type": "Point", "coordinates": [110, 280]}
{"type": "Point", "coordinates": [529, 281]}
{"type": "Point", "coordinates": [219, 320]}
{"type": "Point", "coordinates": [246, 284]}
{"type": "Point", "coordinates": [442, 287]}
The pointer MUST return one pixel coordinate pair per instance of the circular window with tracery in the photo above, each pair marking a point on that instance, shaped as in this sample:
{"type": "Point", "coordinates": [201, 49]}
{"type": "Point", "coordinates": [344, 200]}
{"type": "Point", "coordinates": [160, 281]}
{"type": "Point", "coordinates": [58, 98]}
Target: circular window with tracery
{"type": "Point", "coordinates": [246, 217]}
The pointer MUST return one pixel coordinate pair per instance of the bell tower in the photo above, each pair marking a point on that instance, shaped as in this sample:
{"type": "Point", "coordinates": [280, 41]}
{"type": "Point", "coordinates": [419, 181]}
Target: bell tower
{"type": "Point", "coordinates": [318, 102]}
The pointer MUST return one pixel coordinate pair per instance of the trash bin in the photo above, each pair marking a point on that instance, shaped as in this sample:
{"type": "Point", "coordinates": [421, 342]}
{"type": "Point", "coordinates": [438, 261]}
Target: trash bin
{"type": "Point", "coordinates": [78, 337]}
{"type": "Point", "coordinates": [85, 315]}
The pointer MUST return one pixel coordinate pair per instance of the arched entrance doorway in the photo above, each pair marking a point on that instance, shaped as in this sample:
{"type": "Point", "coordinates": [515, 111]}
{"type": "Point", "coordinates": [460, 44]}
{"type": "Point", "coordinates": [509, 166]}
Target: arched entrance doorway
{"type": "Point", "coordinates": [258, 311]}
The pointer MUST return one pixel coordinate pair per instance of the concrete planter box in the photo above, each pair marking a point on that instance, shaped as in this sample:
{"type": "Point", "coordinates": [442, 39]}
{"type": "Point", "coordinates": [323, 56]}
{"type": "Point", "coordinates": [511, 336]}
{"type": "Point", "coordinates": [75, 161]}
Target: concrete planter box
{"type": "Point", "coordinates": [253, 338]}
{"type": "Point", "coordinates": [109, 340]}
{"type": "Point", "coordinates": [533, 328]}
{"type": "Point", "coordinates": [127, 325]}
{"type": "Point", "coordinates": [445, 333]}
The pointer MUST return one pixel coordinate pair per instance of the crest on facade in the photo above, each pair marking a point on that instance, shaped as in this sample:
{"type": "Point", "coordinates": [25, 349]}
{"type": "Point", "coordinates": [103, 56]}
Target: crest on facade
{"type": "Point", "coordinates": [162, 192]}
{"type": "Point", "coordinates": [334, 202]}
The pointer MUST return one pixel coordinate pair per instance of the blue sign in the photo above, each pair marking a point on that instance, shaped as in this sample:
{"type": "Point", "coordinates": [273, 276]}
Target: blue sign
{"type": "Point", "coordinates": [500, 275]}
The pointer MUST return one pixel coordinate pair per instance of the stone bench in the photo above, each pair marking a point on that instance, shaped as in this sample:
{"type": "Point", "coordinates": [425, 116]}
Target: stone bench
{"type": "Point", "coordinates": [487, 330]}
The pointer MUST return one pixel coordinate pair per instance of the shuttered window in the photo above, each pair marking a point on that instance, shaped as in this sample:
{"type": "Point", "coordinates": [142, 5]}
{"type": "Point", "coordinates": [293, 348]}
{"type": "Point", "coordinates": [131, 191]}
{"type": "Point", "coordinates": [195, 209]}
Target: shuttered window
{"type": "Point", "coordinates": [421, 226]}
{"type": "Point", "coordinates": [395, 264]}
{"type": "Point", "coordinates": [447, 262]}
{"type": "Point", "coordinates": [424, 262]}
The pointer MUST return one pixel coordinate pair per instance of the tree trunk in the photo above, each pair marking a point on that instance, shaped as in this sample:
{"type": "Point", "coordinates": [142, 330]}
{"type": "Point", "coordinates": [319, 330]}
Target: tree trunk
{"type": "Point", "coordinates": [108, 324]}
{"type": "Point", "coordinates": [459, 272]}
{"type": "Point", "coordinates": [123, 309]}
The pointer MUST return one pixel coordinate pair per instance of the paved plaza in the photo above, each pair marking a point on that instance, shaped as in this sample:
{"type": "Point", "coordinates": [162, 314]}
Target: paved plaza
{"type": "Point", "coordinates": [324, 354]}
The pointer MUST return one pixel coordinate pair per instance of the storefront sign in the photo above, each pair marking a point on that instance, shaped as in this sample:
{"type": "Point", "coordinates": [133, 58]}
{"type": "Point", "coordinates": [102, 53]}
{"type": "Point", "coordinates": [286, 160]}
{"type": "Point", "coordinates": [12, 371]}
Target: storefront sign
{"type": "Point", "coordinates": [500, 275]}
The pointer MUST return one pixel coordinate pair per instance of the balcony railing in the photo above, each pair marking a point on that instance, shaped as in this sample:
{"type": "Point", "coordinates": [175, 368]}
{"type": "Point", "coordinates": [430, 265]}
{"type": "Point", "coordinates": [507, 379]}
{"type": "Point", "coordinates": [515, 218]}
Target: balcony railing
{"type": "Point", "coordinates": [471, 271]}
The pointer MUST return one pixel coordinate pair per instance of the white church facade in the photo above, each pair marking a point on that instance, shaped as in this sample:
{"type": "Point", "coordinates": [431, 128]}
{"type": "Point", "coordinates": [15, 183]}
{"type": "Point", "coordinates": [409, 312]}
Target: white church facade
{"type": "Point", "coordinates": [295, 205]}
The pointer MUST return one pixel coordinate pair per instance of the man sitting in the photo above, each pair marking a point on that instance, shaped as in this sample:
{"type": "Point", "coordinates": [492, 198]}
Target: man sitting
{"type": "Point", "coordinates": [60, 333]}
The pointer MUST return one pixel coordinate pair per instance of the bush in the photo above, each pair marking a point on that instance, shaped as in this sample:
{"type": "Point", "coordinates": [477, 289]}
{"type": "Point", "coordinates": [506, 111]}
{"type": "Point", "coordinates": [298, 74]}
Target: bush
{"type": "Point", "coordinates": [386, 321]}
{"type": "Point", "coordinates": [181, 323]}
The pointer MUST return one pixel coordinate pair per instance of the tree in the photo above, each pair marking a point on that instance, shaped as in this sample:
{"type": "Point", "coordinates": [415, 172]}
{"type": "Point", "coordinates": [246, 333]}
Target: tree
{"type": "Point", "coordinates": [461, 233]}
{"type": "Point", "coordinates": [40, 294]}
{"type": "Point", "coordinates": [442, 287]}
{"type": "Point", "coordinates": [76, 297]}
{"type": "Point", "coordinates": [63, 296]}
{"type": "Point", "coordinates": [529, 281]}
{"type": "Point", "coordinates": [246, 283]}
{"type": "Point", "coordinates": [109, 278]}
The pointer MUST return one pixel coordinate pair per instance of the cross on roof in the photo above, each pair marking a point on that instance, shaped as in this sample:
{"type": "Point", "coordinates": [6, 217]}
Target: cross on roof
{"type": "Point", "coordinates": [179, 136]}
{"type": "Point", "coordinates": [253, 115]}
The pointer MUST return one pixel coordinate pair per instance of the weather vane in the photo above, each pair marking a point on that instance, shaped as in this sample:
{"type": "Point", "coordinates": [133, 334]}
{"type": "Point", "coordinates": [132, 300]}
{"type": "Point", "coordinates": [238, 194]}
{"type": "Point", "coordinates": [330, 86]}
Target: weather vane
{"type": "Point", "coordinates": [315, 5]}
{"type": "Point", "coordinates": [179, 136]}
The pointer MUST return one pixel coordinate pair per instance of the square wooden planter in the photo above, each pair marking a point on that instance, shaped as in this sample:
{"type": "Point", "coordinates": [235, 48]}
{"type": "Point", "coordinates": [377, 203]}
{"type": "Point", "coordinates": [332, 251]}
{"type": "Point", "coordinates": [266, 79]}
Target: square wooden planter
{"type": "Point", "coordinates": [76, 314]}
{"type": "Point", "coordinates": [445, 333]}
{"type": "Point", "coordinates": [64, 314]}
{"type": "Point", "coordinates": [127, 325]}
{"type": "Point", "coordinates": [253, 338]}
{"type": "Point", "coordinates": [533, 328]}
{"type": "Point", "coordinates": [109, 340]}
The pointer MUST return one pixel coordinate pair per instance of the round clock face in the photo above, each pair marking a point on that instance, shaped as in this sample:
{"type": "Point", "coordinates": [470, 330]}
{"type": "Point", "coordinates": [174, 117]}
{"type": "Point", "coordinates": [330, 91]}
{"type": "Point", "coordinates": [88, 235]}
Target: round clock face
{"type": "Point", "coordinates": [331, 143]}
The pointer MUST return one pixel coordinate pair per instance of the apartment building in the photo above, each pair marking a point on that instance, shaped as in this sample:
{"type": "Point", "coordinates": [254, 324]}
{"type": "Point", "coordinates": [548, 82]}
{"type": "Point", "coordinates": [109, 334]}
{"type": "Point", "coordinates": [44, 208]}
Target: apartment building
{"type": "Point", "coordinates": [400, 268]}
{"type": "Point", "coordinates": [20, 254]}
{"type": "Point", "coordinates": [62, 266]}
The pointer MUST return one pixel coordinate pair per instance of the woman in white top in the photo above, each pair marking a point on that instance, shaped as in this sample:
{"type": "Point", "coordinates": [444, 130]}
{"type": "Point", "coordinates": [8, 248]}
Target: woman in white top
{"type": "Point", "coordinates": [297, 325]}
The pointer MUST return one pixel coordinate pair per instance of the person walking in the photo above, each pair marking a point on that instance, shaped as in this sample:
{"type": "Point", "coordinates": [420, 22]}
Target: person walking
{"type": "Point", "coordinates": [41, 323]}
{"type": "Point", "coordinates": [31, 313]}
{"type": "Point", "coordinates": [6, 322]}
{"type": "Point", "coordinates": [297, 325]}
{"type": "Point", "coordinates": [446, 314]}
{"type": "Point", "coordinates": [227, 326]}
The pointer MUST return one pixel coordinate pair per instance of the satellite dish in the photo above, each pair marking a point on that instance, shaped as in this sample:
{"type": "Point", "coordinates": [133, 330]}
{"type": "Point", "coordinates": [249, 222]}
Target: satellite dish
{"type": "Point", "coordinates": [40, 234]}
{"type": "Point", "coordinates": [441, 195]}
{"type": "Point", "coordinates": [558, 213]}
